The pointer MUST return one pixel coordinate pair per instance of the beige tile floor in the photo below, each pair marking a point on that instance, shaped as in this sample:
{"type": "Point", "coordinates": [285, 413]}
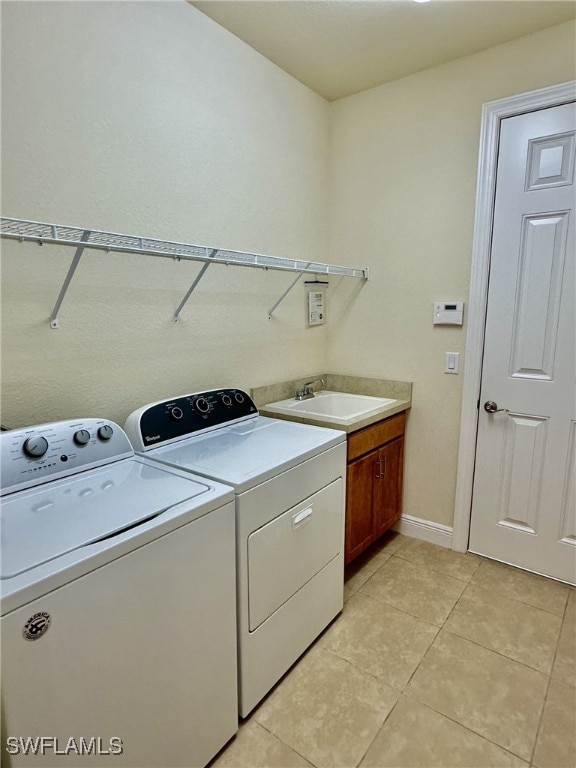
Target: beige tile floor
{"type": "Point", "coordinates": [439, 660]}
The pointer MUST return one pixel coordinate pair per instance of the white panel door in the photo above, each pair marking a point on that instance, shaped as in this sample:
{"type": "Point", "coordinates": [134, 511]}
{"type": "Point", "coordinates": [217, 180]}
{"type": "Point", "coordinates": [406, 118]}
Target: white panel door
{"type": "Point", "coordinates": [523, 509]}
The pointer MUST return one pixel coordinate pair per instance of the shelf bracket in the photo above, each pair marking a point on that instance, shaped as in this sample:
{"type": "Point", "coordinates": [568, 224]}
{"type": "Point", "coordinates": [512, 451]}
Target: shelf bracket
{"type": "Point", "coordinates": [80, 238]}
{"type": "Point", "coordinates": [286, 292]}
{"type": "Point", "coordinates": [75, 261]}
{"type": "Point", "coordinates": [192, 288]}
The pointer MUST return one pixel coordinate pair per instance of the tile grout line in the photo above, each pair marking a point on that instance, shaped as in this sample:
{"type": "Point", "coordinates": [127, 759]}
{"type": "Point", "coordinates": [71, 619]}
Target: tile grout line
{"type": "Point", "coordinates": [378, 732]}
{"type": "Point", "coordinates": [482, 561]}
{"type": "Point", "coordinates": [498, 653]}
{"type": "Point", "coordinates": [510, 658]}
{"type": "Point", "coordinates": [403, 692]}
{"type": "Point", "coordinates": [467, 728]}
{"type": "Point", "coordinates": [368, 673]}
{"type": "Point", "coordinates": [487, 590]}
{"type": "Point", "coordinates": [286, 745]}
{"type": "Point", "coordinates": [442, 714]}
{"type": "Point", "coordinates": [469, 583]}
{"type": "Point", "coordinates": [431, 644]}
{"type": "Point", "coordinates": [438, 570]}
{"type": "Point", "coordinates": [374, 677]}
{"type": "Point", "coordinates": [368, 577]}
{"type": "Point", "coordinates": [354, 666]}
{"type": "Point", "coordinates": [376, 554]}
{"type": "Point", "coordinates": [402, 610]}
{"type": "Point", "coordinates": [442, 626]}
{"type": "Point", "coordinates": [364, 671]}
{"type": "Point", "coordinates": [427, 567]}
{"type": "Point", "coordinates": [519, 570]}
{"type": "Point", "coordinates": [539, 727]}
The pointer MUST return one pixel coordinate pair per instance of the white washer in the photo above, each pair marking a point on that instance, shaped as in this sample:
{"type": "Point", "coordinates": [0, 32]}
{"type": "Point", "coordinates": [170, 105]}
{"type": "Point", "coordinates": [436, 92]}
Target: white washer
{"type": "Point", "coordinates": [289, 480]}
{"type": "Point", "coordinates": [118, 603]}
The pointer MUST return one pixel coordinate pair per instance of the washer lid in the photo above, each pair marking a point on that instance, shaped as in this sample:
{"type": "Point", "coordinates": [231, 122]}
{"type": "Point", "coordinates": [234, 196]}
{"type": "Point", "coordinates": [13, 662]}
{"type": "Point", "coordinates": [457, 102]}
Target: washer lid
{"type": "Point", "coordinates": [41, 524]}
{"type": "Point", "coordinates": [249, 452]}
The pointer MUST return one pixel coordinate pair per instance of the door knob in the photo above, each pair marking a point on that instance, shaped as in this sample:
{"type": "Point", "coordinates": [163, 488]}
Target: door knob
{"type": "Point", "coordinates": [491, 407]}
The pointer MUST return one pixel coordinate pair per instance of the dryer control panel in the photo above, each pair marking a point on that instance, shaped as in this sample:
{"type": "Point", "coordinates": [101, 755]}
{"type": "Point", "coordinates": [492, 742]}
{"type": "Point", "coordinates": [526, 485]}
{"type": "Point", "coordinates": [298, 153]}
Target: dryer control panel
{"type": "Point", "coordinates": [179, 417]}
{"type": "Point", "coordinates": [33, 455]}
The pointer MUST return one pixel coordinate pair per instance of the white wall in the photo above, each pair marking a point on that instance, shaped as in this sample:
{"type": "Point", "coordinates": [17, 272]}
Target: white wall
{"type": "Point", "coordinates": [404, 165]}
{"type": "Point", "coordinates": [148, 118]}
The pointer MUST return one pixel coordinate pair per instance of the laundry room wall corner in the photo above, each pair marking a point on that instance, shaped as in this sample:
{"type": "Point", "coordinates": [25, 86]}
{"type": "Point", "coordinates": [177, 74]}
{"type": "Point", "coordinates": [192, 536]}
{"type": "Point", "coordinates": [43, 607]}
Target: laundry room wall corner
{"type": "Point", "coordinates": [148, 118]}
{"type": "Point", "coordinates": [404, 167]}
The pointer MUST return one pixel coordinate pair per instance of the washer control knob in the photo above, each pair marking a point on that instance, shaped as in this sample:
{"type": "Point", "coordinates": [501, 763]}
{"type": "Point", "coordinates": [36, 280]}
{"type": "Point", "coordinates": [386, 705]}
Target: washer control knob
{"type": "Point", "coordinates": [239, 397]}
{"type": "Point", "coordinates": [82, 437]}
{"type": "Point", "coordinates": [226, 400]}
{"type": "Point", "coordinates": [35, 446]}
{"type": "Point", "coordinates": [202, 405]}
{"type": "Point", "coordinates": [176, 413]}
{"type": "Point", "coordinates": [105, 432]}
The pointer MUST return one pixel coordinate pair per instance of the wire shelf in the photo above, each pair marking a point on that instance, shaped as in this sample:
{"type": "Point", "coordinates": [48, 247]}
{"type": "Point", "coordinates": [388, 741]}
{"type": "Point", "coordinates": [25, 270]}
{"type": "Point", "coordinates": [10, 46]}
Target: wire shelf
{"type": "Point", "coordinates": [36, 231]}
{"type": "Point", "coordinates": [82, 238]}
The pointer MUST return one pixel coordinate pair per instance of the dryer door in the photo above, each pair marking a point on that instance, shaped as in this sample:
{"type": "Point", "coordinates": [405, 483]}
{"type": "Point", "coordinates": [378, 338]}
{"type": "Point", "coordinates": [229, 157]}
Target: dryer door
{"type": "Point", "coordinates": [287, 552]}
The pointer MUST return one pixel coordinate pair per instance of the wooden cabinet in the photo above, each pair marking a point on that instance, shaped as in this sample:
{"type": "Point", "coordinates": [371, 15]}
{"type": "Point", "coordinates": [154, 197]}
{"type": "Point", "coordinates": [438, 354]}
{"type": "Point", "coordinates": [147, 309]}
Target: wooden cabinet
{"type": "Point", "coordinates": [374, 482]}
{"type": "Point", "coordinates": [360, 482]}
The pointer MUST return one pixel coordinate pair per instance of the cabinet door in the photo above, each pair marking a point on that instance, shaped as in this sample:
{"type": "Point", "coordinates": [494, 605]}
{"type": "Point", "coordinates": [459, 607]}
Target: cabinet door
{"type": "Point", "coordinates": [388, 486]}
{"type": "Point", "coordinates": [360, 480]}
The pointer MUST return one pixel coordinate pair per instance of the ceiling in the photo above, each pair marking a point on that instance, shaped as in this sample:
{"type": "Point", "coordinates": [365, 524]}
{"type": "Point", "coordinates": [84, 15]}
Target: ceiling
{"type": "Point", "coordinates": [341, 47]}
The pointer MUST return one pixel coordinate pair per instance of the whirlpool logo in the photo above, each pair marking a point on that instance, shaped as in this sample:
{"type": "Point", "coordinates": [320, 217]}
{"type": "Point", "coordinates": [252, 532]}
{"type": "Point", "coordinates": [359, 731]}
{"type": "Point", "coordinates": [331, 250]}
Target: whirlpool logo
{"type": "Point", "coordinates": [37, 626]}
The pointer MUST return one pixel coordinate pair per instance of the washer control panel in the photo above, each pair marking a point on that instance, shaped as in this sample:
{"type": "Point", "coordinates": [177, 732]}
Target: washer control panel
{"type": "Point", "coordinates": [183, 416]}
{"type": "Point", "coordinates": [33, 455]}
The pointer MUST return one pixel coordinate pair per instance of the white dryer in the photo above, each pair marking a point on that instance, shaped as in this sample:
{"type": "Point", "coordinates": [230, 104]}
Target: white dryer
{"type": "Point", "coordinates": [289, 480]}
{"type": "Point", "coordinates": [117, 603]}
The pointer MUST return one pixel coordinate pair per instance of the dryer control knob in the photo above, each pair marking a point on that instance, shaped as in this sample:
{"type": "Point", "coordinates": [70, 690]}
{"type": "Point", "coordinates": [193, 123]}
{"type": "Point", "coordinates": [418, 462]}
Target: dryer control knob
{"type": "Point", "coordinates": [239, 397]}
{"type": "Point", "coordinates": [202, 405]}
{"type": "Point", "coordinates": [226, 400]}
{"type": "Point", "coordinates": [176, 413]}
{"type": "Point", "coordinates": [105, 432]}
{"type": "Point", "coordinates": [35, 446]}
{"type": "Point", "coordinates": [82, 437]}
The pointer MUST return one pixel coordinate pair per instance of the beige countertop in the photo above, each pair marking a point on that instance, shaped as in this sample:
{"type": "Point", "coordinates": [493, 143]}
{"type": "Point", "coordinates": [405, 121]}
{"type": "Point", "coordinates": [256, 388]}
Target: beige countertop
{"type": "Point", "coordinates": [400, 391]}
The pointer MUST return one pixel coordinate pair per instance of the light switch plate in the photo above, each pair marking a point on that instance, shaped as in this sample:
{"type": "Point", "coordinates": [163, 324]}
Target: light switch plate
{"type": "Point", "coordinates": [452, 362]}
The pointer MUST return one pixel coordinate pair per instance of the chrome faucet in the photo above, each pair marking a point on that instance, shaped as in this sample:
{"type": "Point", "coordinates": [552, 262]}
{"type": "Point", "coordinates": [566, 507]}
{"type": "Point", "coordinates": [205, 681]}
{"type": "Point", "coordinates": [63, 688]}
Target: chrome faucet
{"type": "Point", "coordinates": [307, 391]}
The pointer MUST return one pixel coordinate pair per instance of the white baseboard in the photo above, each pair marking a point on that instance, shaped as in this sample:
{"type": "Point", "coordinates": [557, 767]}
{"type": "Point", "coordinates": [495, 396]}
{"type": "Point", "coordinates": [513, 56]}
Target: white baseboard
{"type": "Point", "coordinates": [427, 530]}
